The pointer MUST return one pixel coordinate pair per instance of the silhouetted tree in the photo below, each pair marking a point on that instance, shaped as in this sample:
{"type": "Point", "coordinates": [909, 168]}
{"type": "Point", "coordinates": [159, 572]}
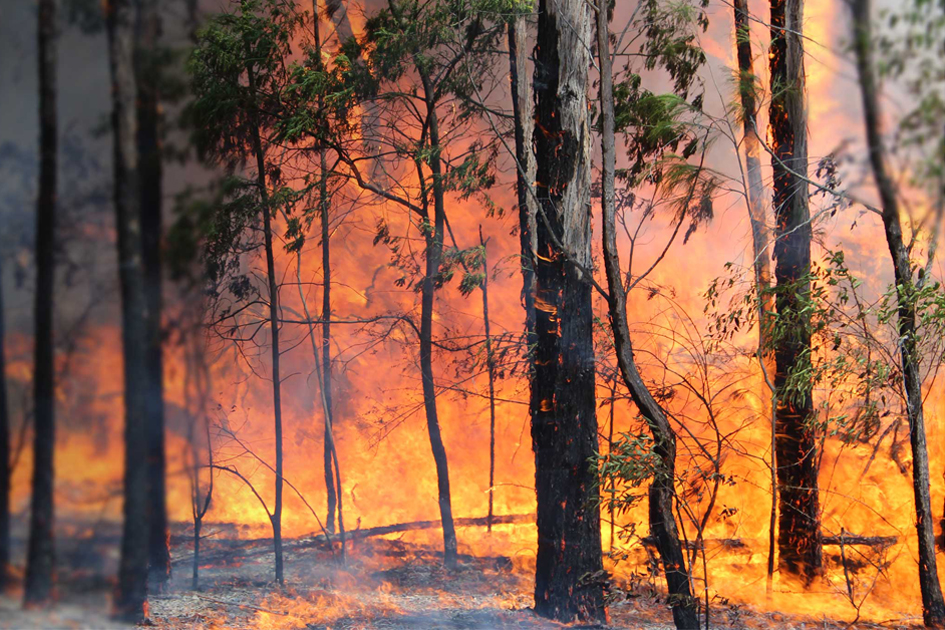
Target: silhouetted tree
{"type": "Point", "coordinates": [131, 599]}
{"type": "Point", "coordinates": [147, 70]}
{"type": "Point", "coordinates": [40, 554]}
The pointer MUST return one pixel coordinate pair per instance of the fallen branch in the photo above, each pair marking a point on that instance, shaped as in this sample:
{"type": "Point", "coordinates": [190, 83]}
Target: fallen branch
{"type": "Point", "coordinates": [866, 541]}
{"type": "Point", "coordinates": [502, 519]}
{"type": "Point", "coordinates": [320, 540]}
{"type": "Point", "coordinates": [827, 541]}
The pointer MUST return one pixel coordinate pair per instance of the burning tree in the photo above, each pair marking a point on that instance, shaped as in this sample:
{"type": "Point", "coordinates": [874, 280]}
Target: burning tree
{"type": "Point", "coordinates": [405, 88]}
{"type": "Point", "coordinates": [799, 548]}
{"type": "Point", "coordinates": [654, 126]}
{"type": "Point", "coordinates": [239, 73]}
{"type": "Point", "coordinates": [563, 408]}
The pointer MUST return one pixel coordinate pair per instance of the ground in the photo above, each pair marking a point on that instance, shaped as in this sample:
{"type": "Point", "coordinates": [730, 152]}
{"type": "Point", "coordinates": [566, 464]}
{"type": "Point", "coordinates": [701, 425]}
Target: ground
{"type": "Point", "coordinates": [385, 583]}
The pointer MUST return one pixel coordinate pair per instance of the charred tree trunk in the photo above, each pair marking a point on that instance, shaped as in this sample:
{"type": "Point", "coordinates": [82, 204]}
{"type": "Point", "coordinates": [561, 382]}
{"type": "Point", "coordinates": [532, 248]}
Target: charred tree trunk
{"type": "Point", "coordinates": [40, 554]}
{"type": "Point", "coordinates": [799, 549]}
{"type": "Point", "coordinates": [563, 408]}
{"type": "Point", "coordinates": [131, 599]}
{"type": "Point", "coordinates": [4, 452]}
{"type": "Point", "coordinates": [147, 71]}
{"type": "Point", "coordinates": [933, 606]}
{"type": "Point", "coordinates": [662, 490]}
{"type": "Point", "coordinates": [260, 155]}
{"type": "Point", "coordinates": [195, 574]}
{"type": "Point", "coordinates": [757, 215]}
{"type": "Point", "coordinates": [523, 118]}
{"type": "Point", "coordinates": [434, 255]}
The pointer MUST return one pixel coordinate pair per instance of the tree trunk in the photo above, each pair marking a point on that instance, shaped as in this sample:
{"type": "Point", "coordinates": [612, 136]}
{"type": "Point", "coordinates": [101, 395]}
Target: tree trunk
{"type": "Point", "coordinates": [326, 314]}
{"type": "Point", "coordinates": [933, 607]}
{"type": "Point", "coordinates": [523, 117]}
{"type": "Point", "coordinates": [195, 575]}
{"type": "Point", "coordinates": [259, 154]}
{"type": "Point", "coordinates": [799, 549]}
{"type": "Point", "coordinates": [758, 218]}
{"type": "Point", "coordinates": [434, 254]}
{"type": "Point", "coordinates": [147, 72]}
{"type": "Point", "coordinates": [662, 489]}
{"type": "Point", "coordinates": [131, 599]}
{"type": "Point", "coordinates": [564, 418]}
{"type": "Point", "coordinates": [4, 453]}
{"type": "Point", "coordinates": [40, 554]}
{"type": "Point", "coordinates": [490, 368]}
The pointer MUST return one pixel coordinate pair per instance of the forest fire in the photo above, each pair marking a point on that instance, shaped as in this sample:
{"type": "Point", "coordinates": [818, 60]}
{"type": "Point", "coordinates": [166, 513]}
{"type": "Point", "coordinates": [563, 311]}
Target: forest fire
{"type": "Point", "coordinates": [477, 314]}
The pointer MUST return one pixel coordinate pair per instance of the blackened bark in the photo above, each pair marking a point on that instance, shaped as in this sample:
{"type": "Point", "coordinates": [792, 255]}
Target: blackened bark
{"type": "Point", "coordinates": [4, 452]}
{"type": "Point", "coordinates": [131, 599]}
{"type": "Point", "coordinates": [933, 606]}
{"type": "Point", "coordinates": [40, 554]}
{"type": "Point", "coordinates": [147, 74]}
{"type": "Point", "coordinates": [434, 255]}
{"type": "Point", "coordinates": [799, 549]}
{"type": "Point", "coordinates": [195, 573]}
{"type": "Point", "coordinates": [564, 418]}
{"type": "Point", "coordinates": [523, 118]}
{"type": "Point", "coordinates": [260, 155]}
{"type": "Point", "coordinates": [757, 215]}
{"type": "Point", "coordinates": [662, 490]}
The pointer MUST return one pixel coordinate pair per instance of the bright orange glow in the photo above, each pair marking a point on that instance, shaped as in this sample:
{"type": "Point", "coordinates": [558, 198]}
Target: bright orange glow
{"type": "Point", "coordinates": [388, 473]}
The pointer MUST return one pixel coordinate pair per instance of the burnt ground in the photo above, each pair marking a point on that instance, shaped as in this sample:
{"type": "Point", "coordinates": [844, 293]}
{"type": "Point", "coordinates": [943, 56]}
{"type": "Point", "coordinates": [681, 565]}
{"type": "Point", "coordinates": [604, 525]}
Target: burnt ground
{"type": "Point", "coordinates": [385, 584]}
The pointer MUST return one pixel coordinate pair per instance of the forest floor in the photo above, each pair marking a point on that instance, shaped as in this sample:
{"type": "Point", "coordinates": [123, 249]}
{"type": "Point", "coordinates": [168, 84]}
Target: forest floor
{"type": "Point", "coordinates": [385, 584]}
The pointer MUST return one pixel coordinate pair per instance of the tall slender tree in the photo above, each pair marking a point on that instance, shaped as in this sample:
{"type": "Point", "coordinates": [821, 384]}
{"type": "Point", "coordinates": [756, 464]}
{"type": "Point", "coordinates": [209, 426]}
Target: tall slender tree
{"type": "Point", "coordinates": [131, 599]}
{"type": "Point", "coordinates": [40, 554]}
{"type": "Point", "coordinates": [417, 65]}
{"type": "Point", "coordinates": [662, 489]}
{"type": "Point", "coordinates": [490, 373]}
{"type": "Point", "coordinates": [799, 538]}
{"type": "Point", "coordinates": [933, 605]}
{"type": "Point", "coordinates": [325, 224]}
{"type": "Point", "coordinates": [147, 69]}
{"type": "Point", "coordinates": [564, 414]}
{"type": "Point", "coordinates": [757, 216]}
{"type": "Point", "coordinates": [239, 76]}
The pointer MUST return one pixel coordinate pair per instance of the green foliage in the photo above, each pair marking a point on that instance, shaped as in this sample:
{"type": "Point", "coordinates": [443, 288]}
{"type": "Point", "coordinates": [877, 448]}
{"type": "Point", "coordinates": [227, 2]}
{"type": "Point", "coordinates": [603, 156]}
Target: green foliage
{"type": "Point", "coordinates": [239, 80]}
{"type": "Point", "coordinates": [256, 37]}
{"type": "Point", "coordinates": [655, 125]}
{"type": "Point", "coordinates": [672, 28]}
{"type": "Point", "coordinates": [631, 463]}
{"type": "Point", "coordinates": [910, 52]}
{"type": "Point", "coordinates": [375, 99]}
{"type": "Point", "coordinates": [855, 358]}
